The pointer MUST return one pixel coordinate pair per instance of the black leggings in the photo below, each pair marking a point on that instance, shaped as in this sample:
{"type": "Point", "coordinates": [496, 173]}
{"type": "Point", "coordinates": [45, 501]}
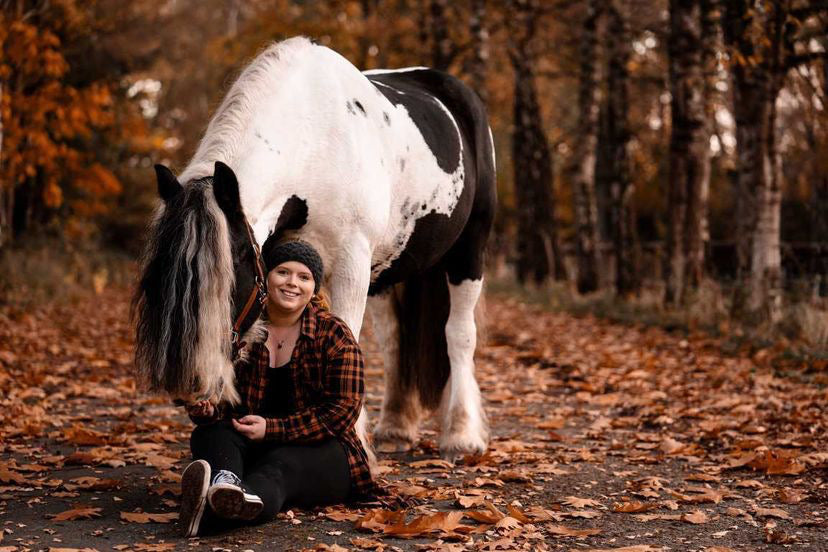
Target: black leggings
{"type": "Point", "coordinates": [304, 475]}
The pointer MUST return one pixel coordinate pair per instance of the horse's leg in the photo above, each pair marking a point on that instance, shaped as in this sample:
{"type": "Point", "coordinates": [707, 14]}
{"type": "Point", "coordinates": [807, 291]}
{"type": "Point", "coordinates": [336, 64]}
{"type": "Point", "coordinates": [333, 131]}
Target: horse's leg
{"type": "Point", "coordinates": [348, 286]}
{"type": "Point", "coordinates": [400, 416]}
{"type": "Point", "coordinates": [464, 427]}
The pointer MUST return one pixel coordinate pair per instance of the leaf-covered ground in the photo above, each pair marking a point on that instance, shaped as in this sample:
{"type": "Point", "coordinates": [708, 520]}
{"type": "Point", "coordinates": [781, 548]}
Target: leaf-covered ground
{"type": "Point", "coordinates": [605, 437]}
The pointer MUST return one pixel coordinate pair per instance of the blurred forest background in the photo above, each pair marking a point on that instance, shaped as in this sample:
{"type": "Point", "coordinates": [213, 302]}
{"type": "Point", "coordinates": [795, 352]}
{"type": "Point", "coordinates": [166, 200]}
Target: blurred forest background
{"type": "Point", "coordinates": [656, 156]}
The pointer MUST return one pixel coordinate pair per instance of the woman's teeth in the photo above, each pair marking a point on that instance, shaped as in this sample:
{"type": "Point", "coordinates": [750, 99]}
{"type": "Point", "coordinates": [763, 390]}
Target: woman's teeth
{"type": "Point", "coordinates": [290, 293]}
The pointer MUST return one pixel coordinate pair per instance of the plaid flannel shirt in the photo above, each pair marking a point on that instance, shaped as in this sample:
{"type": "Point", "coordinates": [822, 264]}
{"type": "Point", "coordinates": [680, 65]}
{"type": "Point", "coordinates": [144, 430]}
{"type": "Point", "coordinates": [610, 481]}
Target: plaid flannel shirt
{"type": "Point", "coordinates": [327, 366]}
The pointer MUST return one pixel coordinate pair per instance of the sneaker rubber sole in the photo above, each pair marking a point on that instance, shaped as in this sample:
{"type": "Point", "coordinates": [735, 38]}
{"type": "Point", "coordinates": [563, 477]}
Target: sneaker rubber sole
{"type": "Point", "coordinates": [231, 502]}
{"type": "Point", "coordinates": [194, 484]}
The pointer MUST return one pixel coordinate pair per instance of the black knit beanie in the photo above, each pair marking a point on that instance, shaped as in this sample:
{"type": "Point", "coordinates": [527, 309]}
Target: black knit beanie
{"type": "Point", "coordinates": [299, 251]}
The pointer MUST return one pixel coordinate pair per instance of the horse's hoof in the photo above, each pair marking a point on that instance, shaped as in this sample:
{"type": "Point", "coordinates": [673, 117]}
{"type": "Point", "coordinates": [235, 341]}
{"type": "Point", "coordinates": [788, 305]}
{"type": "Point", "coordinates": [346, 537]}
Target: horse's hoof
{"type": "Point", "coordinates": [455, 447]}
{"type": "Point", "coordinates": [394, 439]}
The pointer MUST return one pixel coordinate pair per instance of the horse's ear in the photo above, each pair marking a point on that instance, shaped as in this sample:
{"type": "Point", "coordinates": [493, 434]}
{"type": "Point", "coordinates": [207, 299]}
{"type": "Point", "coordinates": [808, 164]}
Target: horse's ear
{"type": "Point", "coordinates": [168, 185]}
{"type": "Point", "coordinates": [226, 189]}
{"type": "Point", "coordinates": [294, 215]}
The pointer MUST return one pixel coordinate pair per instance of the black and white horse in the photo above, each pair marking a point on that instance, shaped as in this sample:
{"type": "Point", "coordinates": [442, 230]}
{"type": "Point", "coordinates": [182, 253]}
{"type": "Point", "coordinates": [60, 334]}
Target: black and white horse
{"type": "Point", "coordinates": [389, 174]}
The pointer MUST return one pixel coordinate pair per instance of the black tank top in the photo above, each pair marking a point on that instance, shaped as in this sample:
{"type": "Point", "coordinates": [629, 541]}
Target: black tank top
{"type": "Point", "coordinates": [278, 395]}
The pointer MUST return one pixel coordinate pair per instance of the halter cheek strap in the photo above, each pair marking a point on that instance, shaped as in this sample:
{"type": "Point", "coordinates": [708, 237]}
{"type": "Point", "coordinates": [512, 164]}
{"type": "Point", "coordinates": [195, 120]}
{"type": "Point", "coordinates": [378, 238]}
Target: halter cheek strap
{"type": "Point", "coordinates": [259, 292]}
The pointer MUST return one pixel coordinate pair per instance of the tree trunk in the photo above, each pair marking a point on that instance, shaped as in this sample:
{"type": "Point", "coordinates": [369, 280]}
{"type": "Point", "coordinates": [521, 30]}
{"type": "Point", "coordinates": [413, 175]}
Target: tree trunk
{"type": "Point", "coordinates": [698, 233]}
{"type": "Point", "coordinates": [689, 145]}
{"type": "Point", "coordinates": [4, 223]}
{"type": "Point", "coordinates": [539, 252]}
{"type": "Point", "coordinates": [621, 188]}
{"type": "Point", "coordinates": [480, 54]}
{"type": "Point", "coordinates": [758, 72]}
{"type": "Point", "coordinates": [441, 47]}
{"type": "Point", "coordinates": [581, 170]}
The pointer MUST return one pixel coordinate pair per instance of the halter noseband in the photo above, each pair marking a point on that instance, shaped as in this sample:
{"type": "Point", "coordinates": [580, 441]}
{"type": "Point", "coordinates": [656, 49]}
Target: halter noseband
{"type": "Point", "coordinates": [259, 292]}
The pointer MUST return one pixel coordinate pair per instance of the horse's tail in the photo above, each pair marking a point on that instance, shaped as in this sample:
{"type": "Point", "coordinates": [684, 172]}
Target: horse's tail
{"type": "Point", "coordinates": [423, 310]}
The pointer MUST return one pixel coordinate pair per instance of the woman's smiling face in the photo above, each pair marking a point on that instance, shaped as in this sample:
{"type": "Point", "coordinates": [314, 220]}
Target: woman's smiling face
{"type": "Point", "coordinates": [290, 287]}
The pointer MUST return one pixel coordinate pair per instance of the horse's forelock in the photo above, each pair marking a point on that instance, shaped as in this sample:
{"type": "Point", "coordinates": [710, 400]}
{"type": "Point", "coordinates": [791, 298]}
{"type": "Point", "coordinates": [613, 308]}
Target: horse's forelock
{"type": "Point", "coordinates": [184, 299]}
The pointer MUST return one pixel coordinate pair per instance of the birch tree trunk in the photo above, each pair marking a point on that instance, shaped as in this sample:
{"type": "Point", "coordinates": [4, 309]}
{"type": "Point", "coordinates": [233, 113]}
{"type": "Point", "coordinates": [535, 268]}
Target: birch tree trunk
{"type": "Point", "coordinates": [758, 72]}
{"type": "Point", "coordinates": [689, 144]}
{"type": "Point", "coordinates": [581, 170]}
{"type": "Point", "coordinates": [538, 247]}
{"type": "Point", "coordinates": [621, 188]}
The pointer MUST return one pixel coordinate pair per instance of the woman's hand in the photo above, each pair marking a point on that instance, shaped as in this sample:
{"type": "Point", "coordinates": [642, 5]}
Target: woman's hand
{"type": "Point", "coordinates": [252, 427]}
{"type": "Point", "coordinates": [201, 409]}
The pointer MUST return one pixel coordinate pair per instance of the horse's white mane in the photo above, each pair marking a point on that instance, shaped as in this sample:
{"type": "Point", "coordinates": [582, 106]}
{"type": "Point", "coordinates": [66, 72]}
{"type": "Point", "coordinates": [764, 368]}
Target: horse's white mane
{"type": "Point", "coordinates": [223, 138]}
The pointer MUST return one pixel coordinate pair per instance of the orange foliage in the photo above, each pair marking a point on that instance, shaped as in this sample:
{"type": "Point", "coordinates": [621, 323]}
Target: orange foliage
{"type": "Point", "coordinates": [47, 122]}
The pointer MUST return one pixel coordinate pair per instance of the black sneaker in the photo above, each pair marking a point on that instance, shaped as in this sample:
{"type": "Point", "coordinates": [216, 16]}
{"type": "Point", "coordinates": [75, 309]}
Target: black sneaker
{"type": "Point", "coordinates": [231, 500]}
{"type": "Point", "coordinates": [194, 483]}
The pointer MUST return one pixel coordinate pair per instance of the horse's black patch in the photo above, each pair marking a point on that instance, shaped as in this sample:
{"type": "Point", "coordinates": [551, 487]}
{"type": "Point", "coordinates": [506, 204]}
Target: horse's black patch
{"type": "Point", "coordinates": [452, 243]}
{"type": "Point", "coordinates": [350, 107]}
{"type": "Point", "coordinates": [418, 95]}
{"type": "Point", "coordinates": [386, 118]}
{"type": "Point", "coordinates": [360, 107]}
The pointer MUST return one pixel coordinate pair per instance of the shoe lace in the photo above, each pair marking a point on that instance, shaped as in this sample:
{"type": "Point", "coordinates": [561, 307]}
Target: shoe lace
{"type": "Point", "coordinates": [226, 476]}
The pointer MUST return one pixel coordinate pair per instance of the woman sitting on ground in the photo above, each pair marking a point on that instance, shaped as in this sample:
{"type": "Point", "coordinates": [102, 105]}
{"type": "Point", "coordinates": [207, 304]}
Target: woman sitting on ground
{"type": "Point", "coordinates": [291, 439]}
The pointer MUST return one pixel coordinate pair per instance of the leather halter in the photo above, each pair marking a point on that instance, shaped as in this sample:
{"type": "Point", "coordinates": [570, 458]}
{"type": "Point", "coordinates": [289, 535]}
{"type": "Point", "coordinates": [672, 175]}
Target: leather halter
{"type": "Point", "coordinates": [259, 292]}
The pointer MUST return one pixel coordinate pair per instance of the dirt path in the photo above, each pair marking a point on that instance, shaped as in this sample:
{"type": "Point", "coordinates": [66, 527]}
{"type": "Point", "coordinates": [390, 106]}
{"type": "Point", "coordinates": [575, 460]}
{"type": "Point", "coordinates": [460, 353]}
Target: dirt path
{"type": "Point", "coordinates": [604, 437]}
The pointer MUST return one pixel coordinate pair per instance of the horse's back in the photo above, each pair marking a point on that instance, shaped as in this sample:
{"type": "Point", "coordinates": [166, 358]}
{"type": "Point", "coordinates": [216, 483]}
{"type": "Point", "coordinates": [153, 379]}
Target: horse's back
{"type": "Point", "coordinates": [452, 120]}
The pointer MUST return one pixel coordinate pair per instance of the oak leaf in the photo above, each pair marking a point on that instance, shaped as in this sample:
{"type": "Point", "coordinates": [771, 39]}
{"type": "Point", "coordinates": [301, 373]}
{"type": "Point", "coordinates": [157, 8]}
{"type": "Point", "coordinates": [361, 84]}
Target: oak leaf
{"type": "Point", "coordinates": [576, 502]}
{"type": "Point", "coordinates": [81, 512]}
{"type": "Point", "coordinates": [147, 517]}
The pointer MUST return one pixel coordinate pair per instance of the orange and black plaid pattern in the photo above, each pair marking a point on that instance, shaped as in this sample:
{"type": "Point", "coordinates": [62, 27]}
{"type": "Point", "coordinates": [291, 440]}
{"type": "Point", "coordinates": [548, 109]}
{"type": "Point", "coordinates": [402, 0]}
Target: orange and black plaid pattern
{"type": "Point", "coordinates": [328, 370]}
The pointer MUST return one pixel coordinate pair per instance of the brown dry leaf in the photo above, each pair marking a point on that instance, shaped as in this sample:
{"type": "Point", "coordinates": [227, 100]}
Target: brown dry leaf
{"type": "Point", "coordinates": [470, 501]}
{"type": "Point", "coordinates": [147, 517]}
{"type": "Point", "coordinates": [538, 513]}
{"type": "Point", "coordinates": [704, 496]}
{"type": "Point", "coordinates": [486, 482]}
{"type": "Point", "coordinates": [80, 512]}
{"type": "Point", "coordinates": [441, 522]}
{"type": "Point", "coordinates": [777, 462]}
{"type": "Point", "coordinates": [750, 484]}
{"type": "Point", "coordinates": [7, 476]}
{"type": "Point", "coordinates": [56, 549]}
{"type": "Point", "coordinates": [376, 520]}
{"type": "Point", "coordinates": [432, 463]}
{"type": "Point", "coordinates": [160, 461]}
{"type": "Point", "coordinates": [484, 516]}
{"type": "Point", "coordinates": [670, 446]}
{"type": "Point", "coordinates": [772, 512]}
{"type": "Point", "coordinates": [719, 549]}
{"type": "Point", "coordinates": [507, 522]}
{"type": "Point", "coordinates": [651, 517]}
{"type": "Point", "coordinates": [570, 531]}
{"type": "Point", "coordinates": [79, 435]}
{"type": "Point", "coordinates": [93, 484]}
{"type": "Point", "coordinates": [584, 514]}
{"type": "Point", "coordinates": [368, 544]}
{"type": "Point", "coordinates": [791, 496]}
{"type": "Point", "coordinates": [343, 516]}
{"type": "Point", "coordinates": [154, 546]}
{"type": "Point", "coordinates": [634, 507]}
{"type": "Point", "coordinates": [576, 502]}
{"type": "Point", "coordinates": [774, 535]}
{"type": "Point", "coordinates": [696, 517]}
{"type": "Point", "coordinates": [552, 423]}
{"type": "Point", "coordinates": [634, 548]}
{"type": "Point", "coordinates": [514, 476]}
{"type": "Point", "coordinates": [517, 514]}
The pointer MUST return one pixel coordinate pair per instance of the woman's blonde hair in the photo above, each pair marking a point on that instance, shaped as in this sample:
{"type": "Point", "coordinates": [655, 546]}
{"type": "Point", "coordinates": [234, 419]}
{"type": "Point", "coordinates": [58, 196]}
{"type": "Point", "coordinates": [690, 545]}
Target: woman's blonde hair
{"type": "Point", "coordinates": [321, 300]}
